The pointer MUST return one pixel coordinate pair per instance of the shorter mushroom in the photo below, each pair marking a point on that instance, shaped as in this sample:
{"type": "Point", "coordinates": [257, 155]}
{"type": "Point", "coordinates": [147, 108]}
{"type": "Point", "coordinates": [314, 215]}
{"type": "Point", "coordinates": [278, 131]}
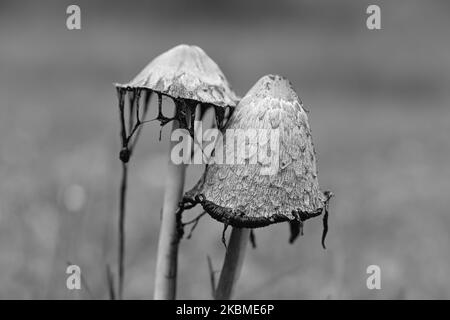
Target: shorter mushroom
{"type": "Point", "coordinates": [255, 193]}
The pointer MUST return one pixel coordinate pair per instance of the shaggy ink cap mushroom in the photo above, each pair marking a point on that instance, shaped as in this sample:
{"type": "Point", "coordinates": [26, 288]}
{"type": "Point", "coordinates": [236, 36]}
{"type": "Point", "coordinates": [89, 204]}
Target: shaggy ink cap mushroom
{"type": "Point", "coordinates": [238, 194]}
{"type": "Point", "coordinates": [194, 82]}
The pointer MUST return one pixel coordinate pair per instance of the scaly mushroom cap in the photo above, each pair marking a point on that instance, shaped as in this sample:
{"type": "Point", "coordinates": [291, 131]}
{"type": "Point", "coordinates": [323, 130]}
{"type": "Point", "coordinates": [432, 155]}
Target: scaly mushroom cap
{"type": "Point", "coordinates": [186, 72]}
{"type": "Point", "coordinates": [239, 194]}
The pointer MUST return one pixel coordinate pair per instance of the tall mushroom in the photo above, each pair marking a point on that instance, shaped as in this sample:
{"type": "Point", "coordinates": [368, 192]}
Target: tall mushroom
{"type": "Point", "coordinates": [252, 192]}
{"type": "Point", "coordinates": [188, 76]}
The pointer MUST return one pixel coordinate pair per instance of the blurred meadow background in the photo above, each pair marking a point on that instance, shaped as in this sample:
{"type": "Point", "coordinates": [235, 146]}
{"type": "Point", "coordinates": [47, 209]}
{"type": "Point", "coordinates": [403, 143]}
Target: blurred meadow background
{"type": "Point", "coordinates": [379, 109]}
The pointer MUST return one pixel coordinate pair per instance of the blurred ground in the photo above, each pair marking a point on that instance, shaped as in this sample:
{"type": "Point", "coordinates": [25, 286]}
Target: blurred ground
{"type": "Point", "coordinates": [380, 115]}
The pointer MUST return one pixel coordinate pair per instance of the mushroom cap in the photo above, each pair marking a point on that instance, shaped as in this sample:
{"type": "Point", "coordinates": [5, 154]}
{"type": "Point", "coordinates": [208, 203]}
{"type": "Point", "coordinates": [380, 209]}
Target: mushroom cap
{"type": "Point", "coordinates": [185, 72]}
{"type": "Point", "coordinates": [239, 194]}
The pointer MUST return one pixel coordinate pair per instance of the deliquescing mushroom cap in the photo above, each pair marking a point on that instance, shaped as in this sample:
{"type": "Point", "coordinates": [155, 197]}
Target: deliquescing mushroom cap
{"type": "Point", "coordinates": [238, 194]}
{"type": "Point", "coordinates": [185, 72]}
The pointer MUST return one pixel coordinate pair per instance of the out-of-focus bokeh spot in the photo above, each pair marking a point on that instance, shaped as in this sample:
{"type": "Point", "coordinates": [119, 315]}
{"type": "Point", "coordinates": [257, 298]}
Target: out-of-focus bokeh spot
{"type": "Point", "coordinates": [74, 197]}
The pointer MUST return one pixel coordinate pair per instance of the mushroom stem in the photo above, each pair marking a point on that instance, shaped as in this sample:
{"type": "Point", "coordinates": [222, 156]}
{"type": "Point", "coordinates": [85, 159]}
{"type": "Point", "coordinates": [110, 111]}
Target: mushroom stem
{"type": "Point", "coordinates": [232, 264]}
{"type": "Point", "coordinates": [166, 263]}
{"type": "Point", "coordinates": [121, 256]}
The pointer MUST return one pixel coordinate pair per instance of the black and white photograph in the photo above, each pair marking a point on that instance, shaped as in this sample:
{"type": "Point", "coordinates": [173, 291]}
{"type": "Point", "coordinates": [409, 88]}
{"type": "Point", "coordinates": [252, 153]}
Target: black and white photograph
{"type": "Point", "coordinates": [255, 151]}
